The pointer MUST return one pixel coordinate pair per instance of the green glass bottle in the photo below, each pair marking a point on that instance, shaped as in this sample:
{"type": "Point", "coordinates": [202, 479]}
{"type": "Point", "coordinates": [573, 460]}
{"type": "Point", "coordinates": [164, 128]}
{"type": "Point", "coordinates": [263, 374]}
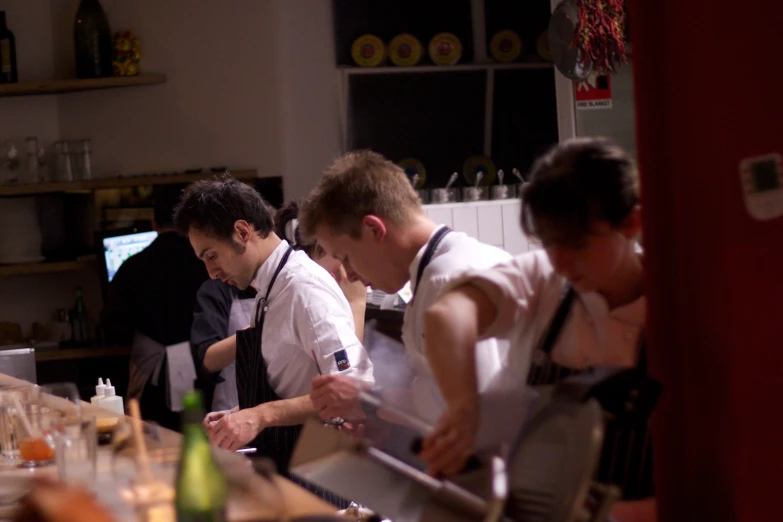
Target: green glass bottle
{"type": "Point", "coordinates": [202, 491]}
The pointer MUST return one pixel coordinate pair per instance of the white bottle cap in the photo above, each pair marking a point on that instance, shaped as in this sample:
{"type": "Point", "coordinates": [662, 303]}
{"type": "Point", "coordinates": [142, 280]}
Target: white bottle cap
{"type": "Point", "coordinates": [100, 388]}
{"type": "Point", "coordinates": [109, 389]}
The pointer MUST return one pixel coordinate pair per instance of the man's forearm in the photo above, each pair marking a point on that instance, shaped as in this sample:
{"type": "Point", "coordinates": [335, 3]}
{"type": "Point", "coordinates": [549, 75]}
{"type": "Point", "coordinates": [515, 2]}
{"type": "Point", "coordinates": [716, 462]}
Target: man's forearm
{"type": "Point", "coordinates": [450, 332]}
{"type": "Point", "coordinates": [358, 310]}
{"type": "Point", "coordinates": [286, 412]}
{"type": "Point", "coordinates": [221, 354]}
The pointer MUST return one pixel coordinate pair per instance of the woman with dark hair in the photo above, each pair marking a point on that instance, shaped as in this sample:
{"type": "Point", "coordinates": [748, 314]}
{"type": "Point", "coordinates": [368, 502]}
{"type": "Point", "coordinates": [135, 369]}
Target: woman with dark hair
{"type": "Point", "coordinates": [582, 204]}
{"type": "Point", "coordinates": [287, 227]}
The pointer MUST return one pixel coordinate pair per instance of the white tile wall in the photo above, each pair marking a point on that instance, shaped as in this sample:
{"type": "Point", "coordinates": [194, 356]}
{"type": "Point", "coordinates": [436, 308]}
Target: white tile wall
{"type": "Point", "coordinates": [491, 222]}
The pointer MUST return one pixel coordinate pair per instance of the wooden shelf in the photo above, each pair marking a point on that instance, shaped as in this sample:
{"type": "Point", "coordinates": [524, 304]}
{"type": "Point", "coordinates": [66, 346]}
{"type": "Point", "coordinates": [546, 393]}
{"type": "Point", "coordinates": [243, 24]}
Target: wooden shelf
{"type": "Point", "coordinates": [68, 354]}
{"type": "Point", "coordinates": [76, 85]}
{"type": "Point", "coordinates": [351, 70]}
{"type": "Point", "coordinates": [119, 182]}
{"type": "Point", "coordinates": [42, 268]}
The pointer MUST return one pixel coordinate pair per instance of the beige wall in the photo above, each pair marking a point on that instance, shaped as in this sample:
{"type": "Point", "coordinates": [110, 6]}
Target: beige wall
{"type": "Point", "coordinates": [251, 84]}
{"type": "Point", "coordinates": [219, 106]}
{"type": "Point", "coordinates": [36, 116]}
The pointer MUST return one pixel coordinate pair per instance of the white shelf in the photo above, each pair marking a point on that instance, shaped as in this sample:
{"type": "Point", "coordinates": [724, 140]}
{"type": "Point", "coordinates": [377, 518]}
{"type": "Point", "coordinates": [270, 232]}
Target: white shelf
{"type": "Point", "coordinates": [460, 67]}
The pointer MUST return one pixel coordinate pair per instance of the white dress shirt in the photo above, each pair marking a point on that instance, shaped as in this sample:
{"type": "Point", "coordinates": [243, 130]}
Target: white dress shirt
{"type": "Point", "coordinates": [527, 291]}
{"type": "Point", "coordinates": [456, 253]}
{"type": "Point", "coordinates": [307, 312]}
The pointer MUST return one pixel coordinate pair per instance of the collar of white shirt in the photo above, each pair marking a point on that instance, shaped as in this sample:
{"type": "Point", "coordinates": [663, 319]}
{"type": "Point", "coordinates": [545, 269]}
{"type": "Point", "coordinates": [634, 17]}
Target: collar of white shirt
{"type": "Point", "coordinates": [414, 268]}
{"type": "Point", "coordinates": [267, 269]}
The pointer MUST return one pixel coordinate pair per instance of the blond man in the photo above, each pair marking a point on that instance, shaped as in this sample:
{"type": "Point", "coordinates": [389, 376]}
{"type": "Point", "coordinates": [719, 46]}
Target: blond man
{"type": "Point", "coordinates": [365, 213]}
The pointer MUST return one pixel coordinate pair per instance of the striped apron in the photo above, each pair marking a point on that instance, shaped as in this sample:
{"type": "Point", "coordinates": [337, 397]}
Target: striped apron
{"type": "Point", "coordinates": [626, 458]}
{"type": "Point", "coordinates": [253, 388]}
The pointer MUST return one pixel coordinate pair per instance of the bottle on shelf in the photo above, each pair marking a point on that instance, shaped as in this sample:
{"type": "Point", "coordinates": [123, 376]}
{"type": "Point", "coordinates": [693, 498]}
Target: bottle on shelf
{"type": "Point", "coordinates": [201, 487]}
{"type": "Point", "coordinates": [92, 41]}
{"type": "Point", "coordinates": [80, 324]}
{"type": "Point", "coordinates": [8, 71]}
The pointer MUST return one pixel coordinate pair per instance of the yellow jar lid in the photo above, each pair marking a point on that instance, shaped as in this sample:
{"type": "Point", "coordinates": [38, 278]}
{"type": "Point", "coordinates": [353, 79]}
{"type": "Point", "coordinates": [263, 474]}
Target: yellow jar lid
{"type": "Point", "coordinates": [405, 50]}
{"type": "Point", "coordinates": [542, 46]}
{"type": "Point", "coordinates": [445, 49]}
{"type": "Point", "coordinates": [505, 46]}
{"type": "Point", "coordinates": [368, 51]}
{"type": "Point", "coordinates": [413, 167]}
{"type": "Point", "coordinates": [479, 163]}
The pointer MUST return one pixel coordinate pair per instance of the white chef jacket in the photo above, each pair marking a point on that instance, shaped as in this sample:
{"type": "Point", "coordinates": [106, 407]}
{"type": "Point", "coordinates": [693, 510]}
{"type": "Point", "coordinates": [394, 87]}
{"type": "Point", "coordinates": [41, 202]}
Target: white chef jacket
{"type": "Point", "coordinates": [527, 291]}
{"type": "Point", "coordinates": [456, 253]}
{"type": "Point", "coordinates": [307, 312]}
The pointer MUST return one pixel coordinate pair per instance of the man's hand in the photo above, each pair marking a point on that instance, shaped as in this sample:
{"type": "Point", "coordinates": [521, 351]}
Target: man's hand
{"type": "Point", "coordinates": [211, 418]}
{"type": "Point", "coordinates": [214, 416]}
{"type": "Point", "coordinates": [448, 447]}
{"type": "Point", "coordinates": [234, 430]}
{"type": "Point", "coordinates": [337, 396]}
{"type": "Point", "coordinates": [355, 292]}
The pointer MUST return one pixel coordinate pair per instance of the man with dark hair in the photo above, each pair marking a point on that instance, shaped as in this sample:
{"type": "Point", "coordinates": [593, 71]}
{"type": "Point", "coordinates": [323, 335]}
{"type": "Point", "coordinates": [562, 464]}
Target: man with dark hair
{"type": "Point", "coordinates": [150, 306]}
{"type": "Point", "coordinates": [583, 205]}
{"type": "Point", "coordinates": [302, 324]}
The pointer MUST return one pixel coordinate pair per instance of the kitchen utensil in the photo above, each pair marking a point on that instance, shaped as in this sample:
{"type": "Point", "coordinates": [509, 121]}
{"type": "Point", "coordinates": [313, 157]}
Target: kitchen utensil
{"type": "Point", "coordinates": [522, 181]}
{"type": "Point", "coordinates": [562, 26]}
{"type": "Point", "coordinates": [500, 191]}
{"type": "Point", "coordinates": [473, 193]}
{"type": "Point", "coordinates": [446, 194]}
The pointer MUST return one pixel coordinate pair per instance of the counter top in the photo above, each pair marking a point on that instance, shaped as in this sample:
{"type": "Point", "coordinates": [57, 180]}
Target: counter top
{"type": "Point", "coordinates": [295, 501]}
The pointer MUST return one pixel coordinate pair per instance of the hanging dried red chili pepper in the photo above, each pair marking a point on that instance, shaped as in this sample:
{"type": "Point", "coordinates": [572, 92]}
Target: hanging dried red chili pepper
{"type": "Point", "coordinates": [600, 34]}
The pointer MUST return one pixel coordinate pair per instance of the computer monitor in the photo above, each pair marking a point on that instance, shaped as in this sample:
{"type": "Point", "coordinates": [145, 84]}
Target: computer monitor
{"type": "Point", "coordinates": [116, 246]}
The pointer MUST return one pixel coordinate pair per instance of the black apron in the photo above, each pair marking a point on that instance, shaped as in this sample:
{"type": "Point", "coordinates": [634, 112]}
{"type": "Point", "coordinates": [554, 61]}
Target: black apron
{"type": "Point", "coordinates": [253, 388]}
{"type": "Point", "coordinates": [626, 457]}
{"type": "Point", "coordinates": [432, 245]}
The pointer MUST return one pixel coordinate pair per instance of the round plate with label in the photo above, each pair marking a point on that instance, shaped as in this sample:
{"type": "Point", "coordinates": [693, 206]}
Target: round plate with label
{"type": "Point", "coordinates": [505, 46]}
{"type": "Point", "coordinates": [476, 164]}
{"type": "Point", "coordinates": [413, 167]}
{"type": "Point", "coordinates": [368, 51]}
{"type": "Point", "coordinates": [405, 50]}
{"type": "Point", "coordinates": [542, 47]}
{"type": "Point", "coordinates": [445, 49]}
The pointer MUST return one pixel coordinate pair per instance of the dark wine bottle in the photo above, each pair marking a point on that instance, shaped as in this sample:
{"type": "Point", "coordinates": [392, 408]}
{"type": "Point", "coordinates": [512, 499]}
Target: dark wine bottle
{"type": "Point", "coordinates": [92, 41]}
{"type": "Point", "coordinates": [8, 72]}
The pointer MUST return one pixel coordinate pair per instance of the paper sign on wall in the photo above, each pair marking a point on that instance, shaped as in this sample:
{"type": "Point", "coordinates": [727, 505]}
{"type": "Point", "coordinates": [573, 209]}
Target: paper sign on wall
{"type": "Point", "coordinates": [593, 93]}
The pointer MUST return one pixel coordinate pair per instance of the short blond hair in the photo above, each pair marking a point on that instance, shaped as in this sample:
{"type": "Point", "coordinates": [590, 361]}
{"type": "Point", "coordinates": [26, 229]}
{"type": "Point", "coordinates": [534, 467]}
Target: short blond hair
{"type": "Point", "coordinates": [358, 184]}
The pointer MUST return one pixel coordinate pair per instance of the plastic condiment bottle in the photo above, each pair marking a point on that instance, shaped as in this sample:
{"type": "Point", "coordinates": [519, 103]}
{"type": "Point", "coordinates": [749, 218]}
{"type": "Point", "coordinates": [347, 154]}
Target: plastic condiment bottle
{"type": "Point", "coordinates": [100, 392]}
{"type": "Point", "coordinates": [111, 401]}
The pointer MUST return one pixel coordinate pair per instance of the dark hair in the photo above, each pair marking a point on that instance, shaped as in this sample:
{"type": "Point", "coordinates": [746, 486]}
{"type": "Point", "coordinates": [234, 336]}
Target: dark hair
{"type": "Point", "coordinates": [285, 214]}
{"type": "Point", "coordinates": [214, 205]}
{"type": "Point", "coordinates": [165, 198]}
{"type": "Point", "coordinates": [575, 184]}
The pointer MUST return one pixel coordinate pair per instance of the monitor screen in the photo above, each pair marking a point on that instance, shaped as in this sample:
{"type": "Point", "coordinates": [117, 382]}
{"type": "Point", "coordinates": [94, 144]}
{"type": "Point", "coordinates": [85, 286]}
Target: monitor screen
{"type": "Point", "coordinates": [116, 249]}
{"type": "Point", "coordinates": [765, 175]}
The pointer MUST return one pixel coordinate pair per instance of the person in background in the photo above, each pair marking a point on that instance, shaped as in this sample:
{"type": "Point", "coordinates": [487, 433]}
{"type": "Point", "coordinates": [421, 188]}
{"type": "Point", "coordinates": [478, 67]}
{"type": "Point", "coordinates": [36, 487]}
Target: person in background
{"type": "Point", "coordinates": [301, 326]}
{"type": "Point", "coordinates": [583, 205]}
{"type": "Point", "coordinates": [222, 309]}
{"type": "Point", "coordinates": [365, 213]}
{"type": "Point", "coordinates": [150, 307]}
{"type": "Point", "coordinates": [287, 227]}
